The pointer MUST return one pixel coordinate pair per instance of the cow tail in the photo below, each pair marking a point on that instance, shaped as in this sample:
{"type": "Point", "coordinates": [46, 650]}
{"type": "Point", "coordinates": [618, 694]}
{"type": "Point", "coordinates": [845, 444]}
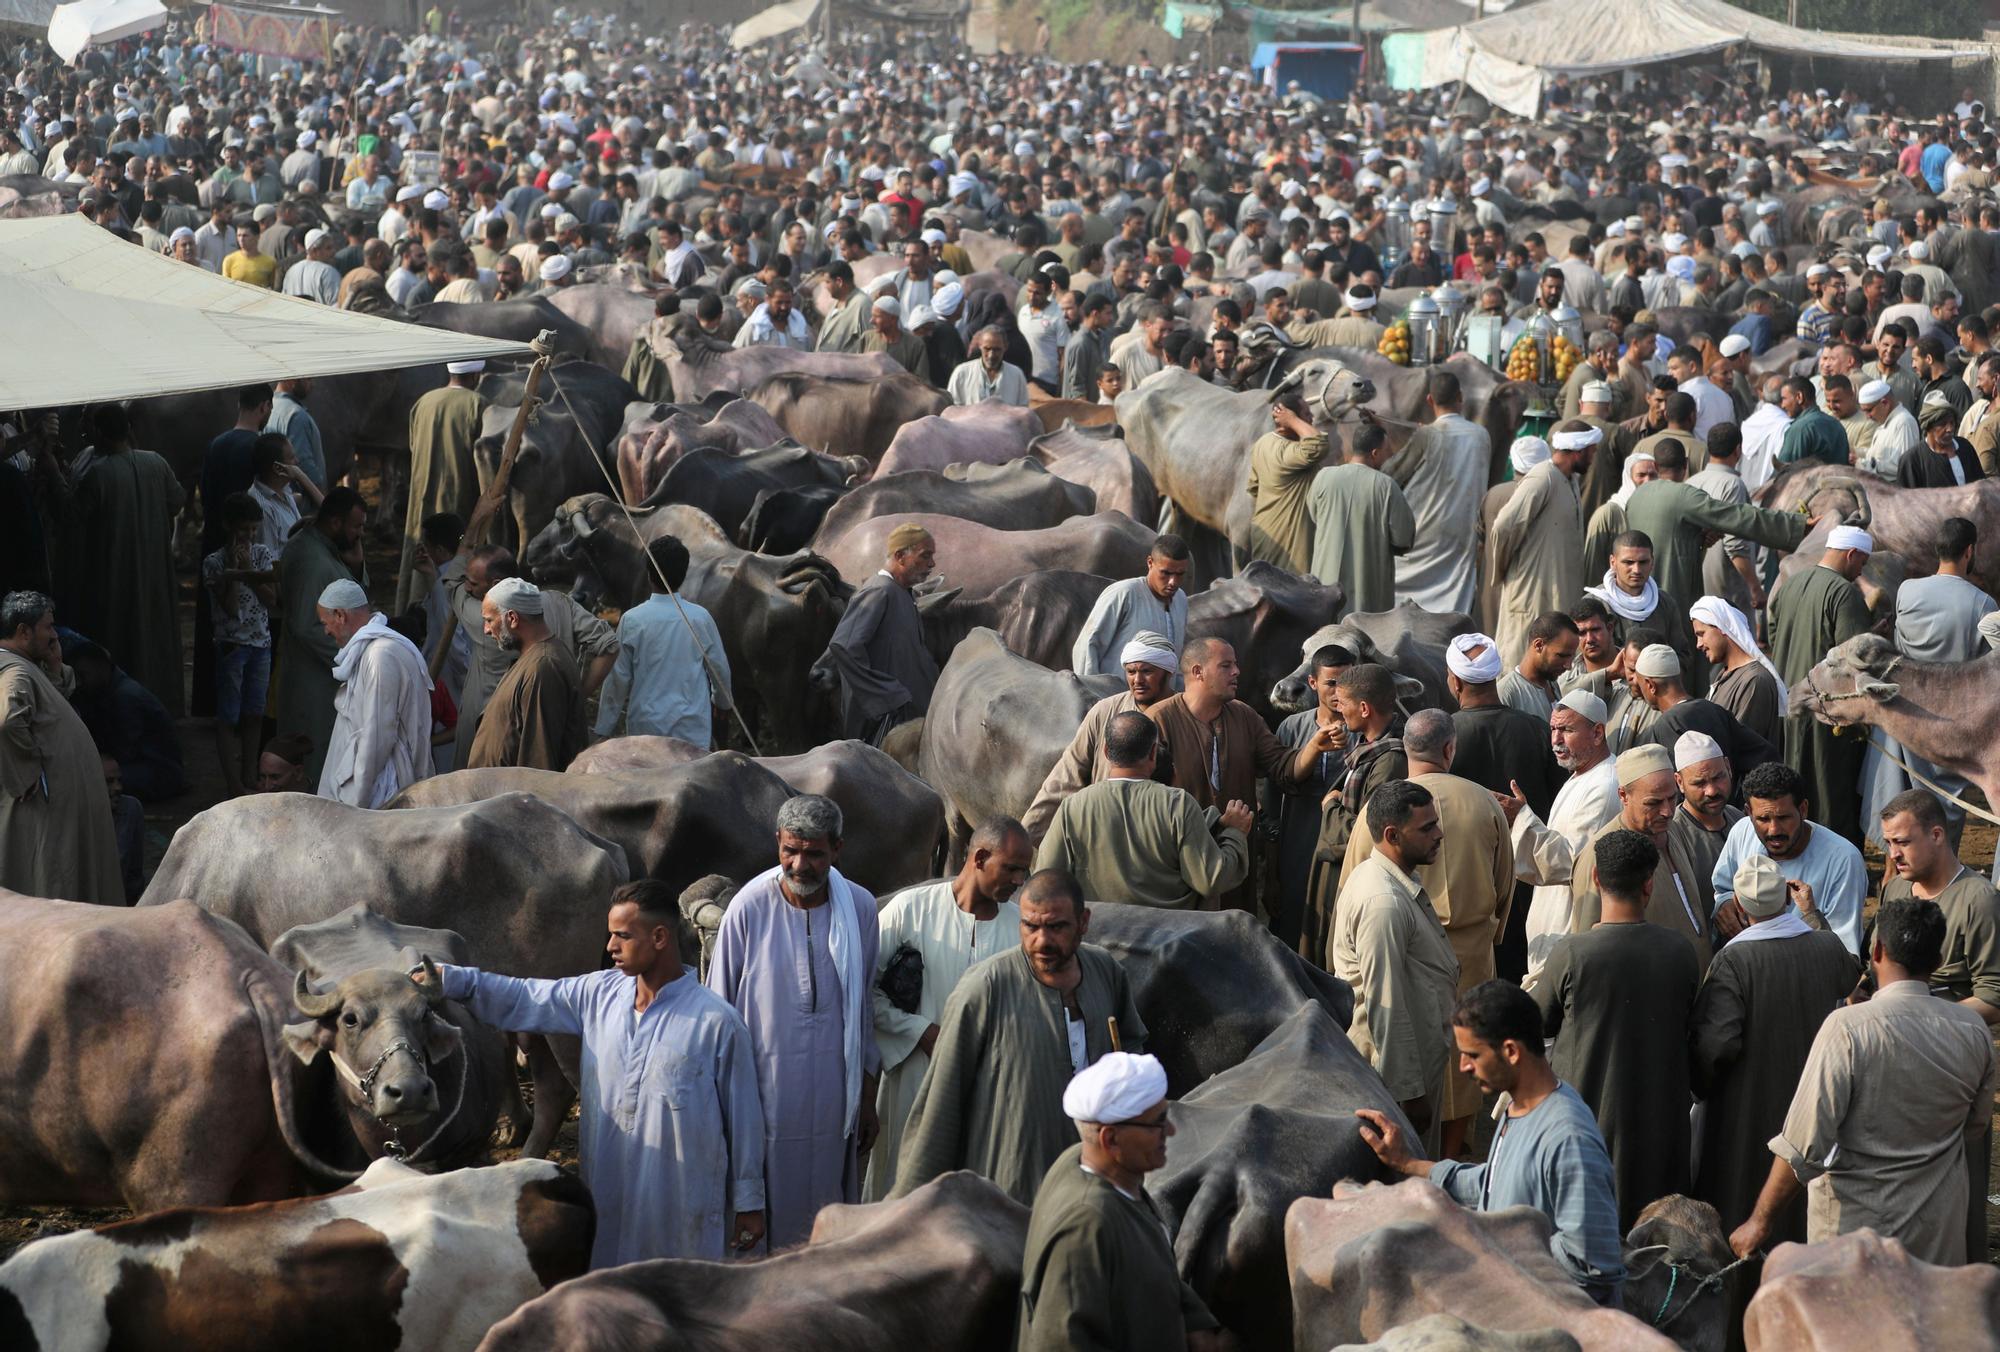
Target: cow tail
{"type": "Point", "coordinates": [270, 1022]}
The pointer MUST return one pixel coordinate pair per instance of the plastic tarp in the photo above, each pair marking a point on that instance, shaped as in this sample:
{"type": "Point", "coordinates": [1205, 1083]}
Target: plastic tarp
{"type": "Point", "coordinates": [93, 319]}
{"type": "Point", "coordinates": [1507, 57]}
{"type": "Point", "coordinates": [94, 23]}
{"type": "Point", "coordinates": [778, 21]}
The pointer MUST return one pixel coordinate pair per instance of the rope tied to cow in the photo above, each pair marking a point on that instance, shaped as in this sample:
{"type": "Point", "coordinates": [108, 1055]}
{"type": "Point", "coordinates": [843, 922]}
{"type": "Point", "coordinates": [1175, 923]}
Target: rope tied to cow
{"type": "Point", "coordinates": [1676, 1271]}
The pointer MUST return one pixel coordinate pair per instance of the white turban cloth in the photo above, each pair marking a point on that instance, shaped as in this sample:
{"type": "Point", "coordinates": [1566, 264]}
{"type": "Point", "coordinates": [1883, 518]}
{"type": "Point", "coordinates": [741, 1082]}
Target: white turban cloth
{"type": "Point", "coordinates": [1717, 613]}
{"type": "Point", "coordinates": [1478, 670]}
{"type": "Point", "coordinates": [1576, 441]}
{"type": "Point", "coordinates": [516, 594]}
{"type": "Point", "coordinates": [1153, 649]}
{"type": "Point", "coordinates": [1119, 1087]}
{"type": "Point", "coordinates": [1850, 537]}
{"type": "Point", "coordinates": [1526, 453]}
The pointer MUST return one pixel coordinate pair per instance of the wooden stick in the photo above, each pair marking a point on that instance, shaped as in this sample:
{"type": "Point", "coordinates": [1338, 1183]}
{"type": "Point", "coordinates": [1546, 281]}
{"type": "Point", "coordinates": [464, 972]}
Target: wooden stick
{"type": "Point", "coordinates": [1116, 1045]}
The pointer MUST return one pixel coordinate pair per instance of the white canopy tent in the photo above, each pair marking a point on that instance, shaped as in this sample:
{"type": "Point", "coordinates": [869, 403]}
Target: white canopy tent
{"type": "Point", "coordinates": [93, 23]}
{"type": "Point", "coordinates": [779, 21]}
{"type": "Point", "coordinates": [92, 319]}
{"type": "Point", "coordinates": [1509, 58]}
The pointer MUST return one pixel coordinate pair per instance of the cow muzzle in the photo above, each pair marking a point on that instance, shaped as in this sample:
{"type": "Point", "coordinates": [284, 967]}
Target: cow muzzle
{"type": "Point", "coordinates": [397, 1088]}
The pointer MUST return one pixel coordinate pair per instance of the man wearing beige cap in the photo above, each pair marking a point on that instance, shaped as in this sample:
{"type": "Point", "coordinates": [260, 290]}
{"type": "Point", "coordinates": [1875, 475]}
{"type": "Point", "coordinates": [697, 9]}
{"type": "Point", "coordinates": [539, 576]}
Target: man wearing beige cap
{"type": "Point", "coordinates": [1648, 793]}
{"type": "Point", "coordinates": [1597, 405]}
{"type": "Point", "coordinates": [1768, 991]}
{"type": "Point", "coordinates": [1896, 433]}
{"type": "Point", "coordinates": [904, 348]}
{"type": "Point", "coordinates": [877, 658]}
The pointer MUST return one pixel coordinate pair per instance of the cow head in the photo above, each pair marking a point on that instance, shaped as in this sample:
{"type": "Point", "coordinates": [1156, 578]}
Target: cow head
{"type": "Point", "coordinates": [1675, 1257]}
{"type": "Point", "coordinates": [1849, 682]}
{"type": "Point", "coordinates": [1294, 693]}
{"type": "Point", "coordinates": [383, 1033]}
{"type": "Point", "coordinates": [589, 547]}
{"type": "Point", "coordinates": [1331, 389]}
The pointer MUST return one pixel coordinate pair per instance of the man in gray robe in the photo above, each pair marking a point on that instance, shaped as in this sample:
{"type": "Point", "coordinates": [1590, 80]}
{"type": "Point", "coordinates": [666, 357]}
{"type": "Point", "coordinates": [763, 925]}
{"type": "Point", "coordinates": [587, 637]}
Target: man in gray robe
{"type": "Point", "coordinates": [877, 658]}
{"type": "Point", "coordinates": [1361, 523]}
{"type": "Point", "coordinates": [1443, 471]}
{"type": "Point", "coordinates": [1155, 603]}
{"type": "Point", "coordinates": [1016, 1029]}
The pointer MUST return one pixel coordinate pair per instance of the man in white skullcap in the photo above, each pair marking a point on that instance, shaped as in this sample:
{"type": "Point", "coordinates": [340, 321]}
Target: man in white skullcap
{"type": "Point", "coordinates": [1149, 662]}
{"type": "Point", "coordinates": [535, 716]}
{"type": "Point", "coordinates": [1657, 680]}
{"type": "Point", "coordinates": [314, 277]}
{"type": "Point", "coordinates": [1535, 545]}
{"type": "Point", "coordinates": [1812, 614]}
{"type": "Point", "coordinates": [1546, 855]}
{"type": "Point", "coordinates": [555, 271]}
{"type": "Point", "coordinates": [1701, 825]}
{"type": "Point", "coordinates": [1648, 794]}
{"type": "Point", "coordinates": [1768, 991]}
{"type": "Point", "coordinates": [381, 742]}
{"type": "Point", "coordinates": [444, 427]}
{"type": "Point", "coordinates": [1896, 433]}
{"type": "Point", "coordinates": [1099, 1271]}
{"type": "Point", "coordinates": [888, 335]}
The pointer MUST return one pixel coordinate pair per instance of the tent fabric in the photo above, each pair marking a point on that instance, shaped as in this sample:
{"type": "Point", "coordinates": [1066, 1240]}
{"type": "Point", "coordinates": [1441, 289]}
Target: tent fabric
{"type": "Point", "coordinates": [1508, 57]}
{"type": "Point", "coordinates": [94, 23]}
{"type": "Point", "coordinates": [776, 22]}
{"type": "Point", "coordinates": [94, 318]}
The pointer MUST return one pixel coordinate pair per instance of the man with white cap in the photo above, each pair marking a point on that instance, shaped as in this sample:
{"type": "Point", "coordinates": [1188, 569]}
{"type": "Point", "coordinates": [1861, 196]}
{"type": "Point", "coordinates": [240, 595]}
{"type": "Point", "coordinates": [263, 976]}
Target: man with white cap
{"type": "Point", "coordinates": [314, 277]}
{"type": "Point", "coordinates": [1656, 679]}
{"type": "Point", "coordinates": [1536, 543]}
{"type": "Point", "coordinates": [381, 741]}
{"type": "Point", "coordinates": [535, 717]}
{"type": "Point", "coordinates": [1734, 349]}
{"type": "Point", "coordinates": [1896, 433]}
{"type": "Point", "coordinates": [1617, 1000]}
{"type": "Point", "coordinates": [888, 335]}
{"type": "Point", "coordinates": [1014, 1033]}
{"type": "Point", "coordinates": [444, 427]}
{"type": "Point", "coordinates": [1388, 945]}
{"type": "Point", "coordinates": [1150, 664]}
{"type": "Point", "coordinates": [1099, 1270]}
{"type": "Point", "coordinates": [555, 272]}
{"type": "Point", "coordinates": [1767, 993]}
{"type": "Point", "coordinates": [1812, 614]}
{"type": "Point", "coordinates": [1545, 854]}
{"type": "Point", "coordinates": [1891, 1092]}
{"type": "Point", "coordinates": [1648, 794]}
{"type": "Point", "coordinates": [1702, 824]}
{"type": "Point", "coordinates": [1470, 882]}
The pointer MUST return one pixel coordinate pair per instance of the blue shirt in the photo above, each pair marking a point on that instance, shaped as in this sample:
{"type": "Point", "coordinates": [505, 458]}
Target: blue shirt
{"type": "Point", "coordinates": [1829, 865]}
{"type": "Point", "coordinates": [671, 1137]}
{"type": "Point", "coordinates": [1936, 155]}
{"type": "Point", "coordinates": [1553, 1159]}
{"type": "Point", "coordinates": [659, 685]}
{"type": "Point", "coordinates": [1757, 329]}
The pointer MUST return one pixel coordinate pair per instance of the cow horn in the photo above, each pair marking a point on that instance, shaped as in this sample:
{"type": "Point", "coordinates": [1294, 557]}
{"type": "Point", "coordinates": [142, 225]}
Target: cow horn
{"type": "Point", "coordinates": [579, 524]}
{"type": "Point", "coordinates": [433, 983]}
{"type": "Point", "coordinates": [311, 1003]}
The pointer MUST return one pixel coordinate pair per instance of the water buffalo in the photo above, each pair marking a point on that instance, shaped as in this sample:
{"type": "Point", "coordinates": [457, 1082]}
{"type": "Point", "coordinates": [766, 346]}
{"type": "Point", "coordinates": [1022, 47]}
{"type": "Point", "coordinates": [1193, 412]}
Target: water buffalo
{"type": "Point", "coordinates": [1019, 495]}
{"type": "Point", "coordinates": [1267, 615]}
{"type": "Point", "coordinates": [1275, 1127]}
{"type": "Point", "coordinates": [1195, 437]}
{"type": "Point", "coordinates": [341, 962]}
{"type": "Point", "coordinates": [1408, 640]}
{"type": "Point", "coordinates": [894, 820]}
{"type": "Point", "coordinates": [1903, 521]}
{"type": "Point", "coordinates": [612, 315]}
{"type": "Point", "coordinates": [1053, 413]}
{"type": "Point", "coordinates": [1376, 1256]}
{"type": "Point", "coordinates": [520, 321]}
{"type": "Point", "coordinates": [699, 366]}
{"type": "Point", "coordinates": [1860, 1292]}
{"type": "Point", "coordinates": [987, 433]}
{"type": "Point", "coordinates": [566, 445]}
{"type": "Point", "coordinates": [775, 614]}
{"type": "Point", "coordinates": [978, 559]}
{"type": "Point", "coordinates": [401, 1261]}
{"type": "Point", "coordinates": [859, 416]}
{"type": "Point", "coordinates": [1098, 459]}
{"type": "Point", "coordinates": [940, 1268]}
{"type": "Point", "coordinates": [523, 882]}
{"type": "Point", "coordinates": [1037, 615]}
{"type": "Point", "coordinates": [729, 487]}
{"type": "Point", "coordinates": [997, 723]}
{"type": "Point", "coordinates": [653, 437]}
{"type": "Point", "coordinates": [177, 1089]}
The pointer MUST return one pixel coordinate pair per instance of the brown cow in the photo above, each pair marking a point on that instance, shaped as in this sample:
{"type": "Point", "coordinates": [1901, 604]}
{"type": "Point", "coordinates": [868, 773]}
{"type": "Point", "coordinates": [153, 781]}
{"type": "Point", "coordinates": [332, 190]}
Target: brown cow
{"type": "Point", "coordinates": [1098, 459]}
{"type": "Point", "coordinates": [987, 433]}
{"type": "Point", "coordinates": [940, 1268]}
{"type": "Point", "coordinates": [400, 1260]}
{"type": "Point", "coordinates": [977, 559]}
{"type": "Point", "coordinates": [654, 436]}
{"type": "Point", "coordinates": [1860, 1292]}
{"type": "Point", "coordinates": [846, 417]}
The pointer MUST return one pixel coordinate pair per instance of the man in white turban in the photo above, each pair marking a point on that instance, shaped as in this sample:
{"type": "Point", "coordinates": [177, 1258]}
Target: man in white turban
{"type": "Point", "coordinates": [381, 741]}
{"type": "Point", "coordinates": [1148, 662]}
{"type": "Point", "coordinates": [535, 716]}
{"type": "Point", "coordinates": [1742, 681]}
{"type": "Point", "coordinates": [1815, 612]}
{"type": "Point", "coordinates": [1099, 1270]}
{"type": "Point", "coordinates": [1536, 546]}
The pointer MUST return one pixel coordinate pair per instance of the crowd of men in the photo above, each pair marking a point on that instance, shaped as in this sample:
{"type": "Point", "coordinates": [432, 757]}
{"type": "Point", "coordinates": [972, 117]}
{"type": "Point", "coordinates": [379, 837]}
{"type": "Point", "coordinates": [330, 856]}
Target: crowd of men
{"type": "Point", "coordinates": [1620, 879]}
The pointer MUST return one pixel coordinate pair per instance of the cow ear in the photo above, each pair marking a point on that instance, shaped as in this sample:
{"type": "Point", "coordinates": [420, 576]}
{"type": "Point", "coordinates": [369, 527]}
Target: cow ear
{"type": "Point", "coordinates": [307, 1040]}
{"type": "Point", "coordinates": [1881, 691]}
{"type": "Point", "coordinates": [441, 1037]}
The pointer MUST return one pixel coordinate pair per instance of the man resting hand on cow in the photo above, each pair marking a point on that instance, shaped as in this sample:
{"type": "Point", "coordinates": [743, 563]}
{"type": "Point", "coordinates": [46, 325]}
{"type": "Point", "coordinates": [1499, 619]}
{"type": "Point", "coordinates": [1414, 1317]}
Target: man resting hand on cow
{"type": "Point", "coordinates": [1547, 1152]}
{"type": "Point", "coordinates": [679, 1150]}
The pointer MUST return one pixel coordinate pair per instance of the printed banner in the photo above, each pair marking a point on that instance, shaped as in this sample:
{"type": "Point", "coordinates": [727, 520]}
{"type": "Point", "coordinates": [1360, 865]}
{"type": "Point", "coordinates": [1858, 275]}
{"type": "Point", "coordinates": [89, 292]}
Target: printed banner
{"type": "Point", "coordinates": [301, 37]}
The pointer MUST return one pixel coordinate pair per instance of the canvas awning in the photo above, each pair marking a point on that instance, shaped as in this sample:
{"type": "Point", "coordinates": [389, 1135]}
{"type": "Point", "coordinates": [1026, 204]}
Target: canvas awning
{"type": "Point", "coordinates": [1509, 57]}
{"type": "Point", "coordinates": [93, 319]}
{"type": "Point", "coordinates": [779, 21]}
{"type": "Point", "coordinates": [93, 23]}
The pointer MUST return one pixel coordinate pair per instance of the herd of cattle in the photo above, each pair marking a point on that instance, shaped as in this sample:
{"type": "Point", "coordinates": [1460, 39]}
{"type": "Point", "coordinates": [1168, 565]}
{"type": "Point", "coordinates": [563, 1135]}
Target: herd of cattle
{"type": "Point", "coordinates": [169, 1058]}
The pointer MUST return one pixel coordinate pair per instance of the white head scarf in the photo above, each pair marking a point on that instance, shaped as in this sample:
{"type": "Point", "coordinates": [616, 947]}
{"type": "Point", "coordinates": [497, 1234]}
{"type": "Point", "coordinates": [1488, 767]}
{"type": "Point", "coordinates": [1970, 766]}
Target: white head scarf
{"type": "Point", "coordinates": [1717, 613]}
{"type": "Point", "coordinates": [1526, 453]}
{"type": "Point", "coordinates": [1628, 488]}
